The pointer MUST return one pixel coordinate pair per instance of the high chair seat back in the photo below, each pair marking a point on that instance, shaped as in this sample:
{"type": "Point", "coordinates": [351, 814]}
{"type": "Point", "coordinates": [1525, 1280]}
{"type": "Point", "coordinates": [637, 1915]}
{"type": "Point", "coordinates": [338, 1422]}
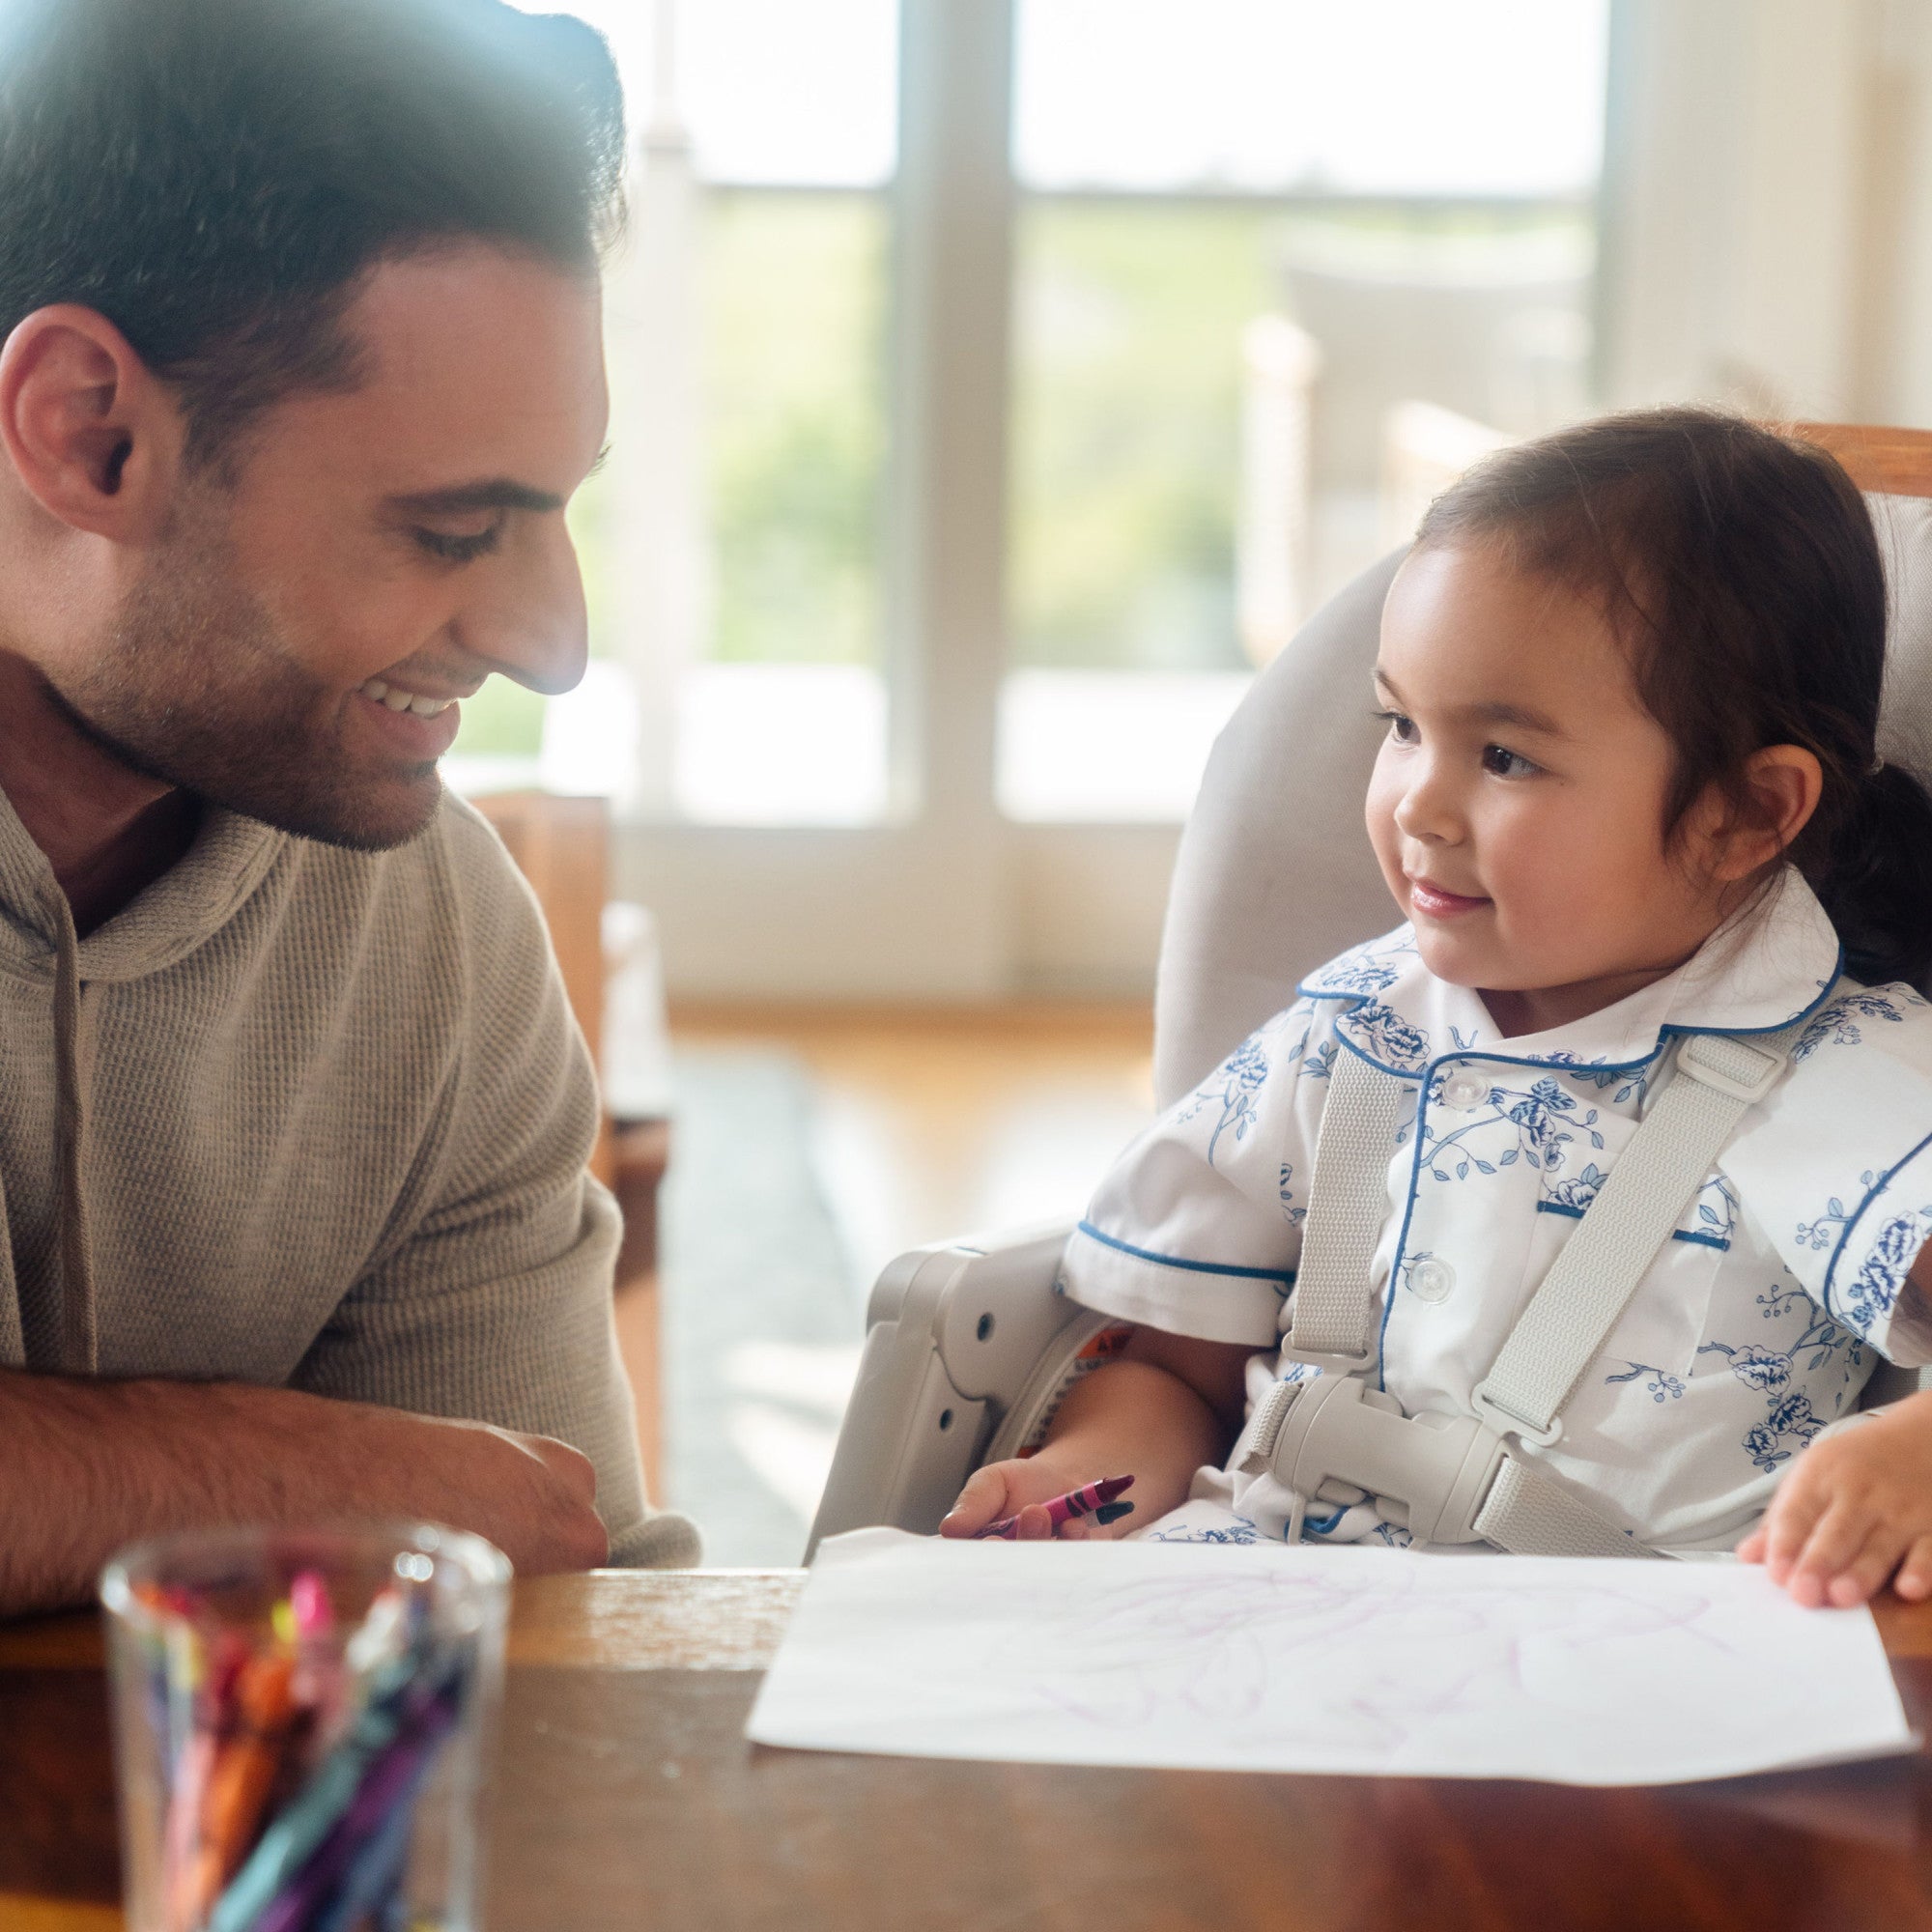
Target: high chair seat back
{"type": "Point", "coordinates": [969, 1345]}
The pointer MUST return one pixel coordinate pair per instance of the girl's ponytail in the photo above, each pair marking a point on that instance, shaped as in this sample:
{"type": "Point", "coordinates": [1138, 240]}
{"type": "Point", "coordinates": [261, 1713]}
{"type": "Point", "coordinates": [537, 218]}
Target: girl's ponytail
{"type": "Point", "coordinates": [1876, 880]}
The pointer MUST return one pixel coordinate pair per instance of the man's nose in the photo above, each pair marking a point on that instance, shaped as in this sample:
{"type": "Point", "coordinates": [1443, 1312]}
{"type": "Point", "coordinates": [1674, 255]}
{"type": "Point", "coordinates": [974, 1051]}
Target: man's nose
{"type": "Point", "coordinates": [531, 624]}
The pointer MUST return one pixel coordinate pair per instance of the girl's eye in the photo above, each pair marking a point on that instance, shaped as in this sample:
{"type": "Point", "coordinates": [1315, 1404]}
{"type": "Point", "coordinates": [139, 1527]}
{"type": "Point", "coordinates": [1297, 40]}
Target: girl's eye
{"type": "Point", "coordinates": [458, 549]}
{"type": "Point", "coordinates": [1501, 762]}
{"type": "Point", "coordinates": [1401, 729]}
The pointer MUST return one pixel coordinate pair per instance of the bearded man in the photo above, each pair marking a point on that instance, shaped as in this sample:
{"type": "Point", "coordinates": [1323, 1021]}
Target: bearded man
{"type": "Point", "coordinates": [301, 364]}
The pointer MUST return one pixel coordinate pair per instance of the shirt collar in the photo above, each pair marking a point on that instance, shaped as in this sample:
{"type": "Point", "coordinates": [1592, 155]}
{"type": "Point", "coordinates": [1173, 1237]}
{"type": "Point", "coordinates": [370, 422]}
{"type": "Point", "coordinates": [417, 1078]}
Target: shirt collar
{"type": "Point", "coordinates": [163, 923]}
{"type": "Point", "coordinates": [1763, 968]}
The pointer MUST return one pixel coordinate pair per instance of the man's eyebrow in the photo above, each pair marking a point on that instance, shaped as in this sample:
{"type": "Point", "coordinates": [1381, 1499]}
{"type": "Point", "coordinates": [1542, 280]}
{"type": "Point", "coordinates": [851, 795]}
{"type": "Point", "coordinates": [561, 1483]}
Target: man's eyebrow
{"type": "Point", "coordinates": [1498, 711]}
{"type": "Point", "coordinates": [490, 493]}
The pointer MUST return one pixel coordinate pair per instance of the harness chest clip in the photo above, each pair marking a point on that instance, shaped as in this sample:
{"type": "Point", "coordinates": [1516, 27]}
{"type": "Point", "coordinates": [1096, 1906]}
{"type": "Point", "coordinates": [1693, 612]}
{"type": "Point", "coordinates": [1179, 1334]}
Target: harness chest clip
{"type": "Point", "coordinates": [1337, 1429]}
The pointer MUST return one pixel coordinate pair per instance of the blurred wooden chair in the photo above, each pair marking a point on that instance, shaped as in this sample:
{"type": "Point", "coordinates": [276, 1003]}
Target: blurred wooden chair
{"type": "Point", "coordinates": [1892, 462]}
{"type": "Point", "coordinates": [562, 846]}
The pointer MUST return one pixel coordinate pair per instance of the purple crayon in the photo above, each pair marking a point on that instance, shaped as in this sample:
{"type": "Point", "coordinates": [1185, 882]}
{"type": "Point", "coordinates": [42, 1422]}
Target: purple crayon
{"type": "Point", "coordinates": [1085, 1501]}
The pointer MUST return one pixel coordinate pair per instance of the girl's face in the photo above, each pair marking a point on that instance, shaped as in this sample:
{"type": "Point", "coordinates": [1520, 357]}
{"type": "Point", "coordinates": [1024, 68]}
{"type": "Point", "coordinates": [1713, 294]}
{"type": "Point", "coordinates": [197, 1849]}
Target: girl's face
{"type": "Point", "coordinates": [1517, 807]}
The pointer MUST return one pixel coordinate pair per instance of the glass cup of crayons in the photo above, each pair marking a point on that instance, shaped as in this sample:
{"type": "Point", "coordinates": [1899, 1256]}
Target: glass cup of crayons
{"type": "Point", "coordinates": [301, 1726]}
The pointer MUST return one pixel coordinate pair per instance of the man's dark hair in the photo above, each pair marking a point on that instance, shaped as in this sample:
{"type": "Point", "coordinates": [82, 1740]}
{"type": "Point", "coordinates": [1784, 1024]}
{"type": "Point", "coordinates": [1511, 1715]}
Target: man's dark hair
{"type": "Point", "coordinates": [1741, 572]}
{"type": "Point", "coordinates": [215, 176]}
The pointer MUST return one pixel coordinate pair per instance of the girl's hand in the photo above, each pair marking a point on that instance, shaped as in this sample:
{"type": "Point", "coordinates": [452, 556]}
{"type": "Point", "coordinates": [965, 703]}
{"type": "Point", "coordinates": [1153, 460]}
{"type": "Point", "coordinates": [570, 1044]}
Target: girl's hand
{"type": "Point", "coordinates": [1855, 1509]}
{"type": "Point", "coordinates": [1022, 1488]}
{"type": "Point", "coordinates": [1167, 1406]}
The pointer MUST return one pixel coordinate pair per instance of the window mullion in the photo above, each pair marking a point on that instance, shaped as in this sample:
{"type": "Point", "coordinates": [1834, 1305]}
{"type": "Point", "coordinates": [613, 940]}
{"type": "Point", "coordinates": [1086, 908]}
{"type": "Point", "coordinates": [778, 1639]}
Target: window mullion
{"type": "Point", "coordinates": [952, 279]}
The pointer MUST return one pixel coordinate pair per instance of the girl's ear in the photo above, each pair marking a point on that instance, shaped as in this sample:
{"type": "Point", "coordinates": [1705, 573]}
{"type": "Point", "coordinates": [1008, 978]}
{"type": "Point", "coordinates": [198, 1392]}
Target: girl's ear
{"type": "Point", "coordinates": [1783, 782]}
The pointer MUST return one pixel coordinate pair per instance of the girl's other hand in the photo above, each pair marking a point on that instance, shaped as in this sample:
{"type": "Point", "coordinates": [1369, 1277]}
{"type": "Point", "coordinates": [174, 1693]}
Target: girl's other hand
{"type": "Point", "coordinates": [1022, 1488]}
{"type": "Point", "coordinates": [1853, 1508]}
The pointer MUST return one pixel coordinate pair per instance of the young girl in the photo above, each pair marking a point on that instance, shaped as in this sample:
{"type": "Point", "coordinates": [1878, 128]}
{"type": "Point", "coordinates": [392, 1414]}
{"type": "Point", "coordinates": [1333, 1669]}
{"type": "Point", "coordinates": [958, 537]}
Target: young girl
{"type": "Point", "coordinates": [1631, 792]}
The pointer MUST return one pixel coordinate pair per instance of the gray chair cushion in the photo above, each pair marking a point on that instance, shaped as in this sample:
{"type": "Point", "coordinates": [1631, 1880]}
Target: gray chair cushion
{"type": "Point", "coordinates": [1274, 873]}
{"type": "Point", "coordinates": [1905, 540]}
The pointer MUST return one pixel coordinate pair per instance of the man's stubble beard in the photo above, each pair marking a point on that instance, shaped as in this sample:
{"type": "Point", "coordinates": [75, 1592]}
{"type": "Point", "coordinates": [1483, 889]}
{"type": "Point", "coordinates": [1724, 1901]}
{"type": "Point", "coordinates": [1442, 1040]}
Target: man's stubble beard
{"type": "Point", "coordinates": [196, 688]}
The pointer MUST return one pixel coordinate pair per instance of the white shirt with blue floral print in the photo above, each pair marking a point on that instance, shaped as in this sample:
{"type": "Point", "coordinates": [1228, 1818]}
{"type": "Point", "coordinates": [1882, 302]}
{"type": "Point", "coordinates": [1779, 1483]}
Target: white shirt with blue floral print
{"type": "Point", "coordinates": [1754, 1328]}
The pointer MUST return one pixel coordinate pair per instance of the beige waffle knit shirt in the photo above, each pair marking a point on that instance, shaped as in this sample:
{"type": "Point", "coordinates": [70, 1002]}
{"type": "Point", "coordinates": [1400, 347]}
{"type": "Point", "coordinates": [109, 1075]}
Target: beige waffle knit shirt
{"type": "Point", "coordinates": [315, 1118]}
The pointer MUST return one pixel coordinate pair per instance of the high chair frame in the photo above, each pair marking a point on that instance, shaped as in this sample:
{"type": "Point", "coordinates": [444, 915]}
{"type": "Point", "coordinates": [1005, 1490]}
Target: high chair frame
{"type": "Point", "coordinates": [970, 1344]}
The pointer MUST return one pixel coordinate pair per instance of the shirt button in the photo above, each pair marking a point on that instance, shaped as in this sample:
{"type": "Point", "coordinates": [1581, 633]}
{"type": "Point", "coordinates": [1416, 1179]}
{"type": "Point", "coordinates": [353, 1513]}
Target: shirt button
{"type": "Point", "coordinates": [1432, 1279]}
{"type": "Point", "coordinates": [1466, 1089]}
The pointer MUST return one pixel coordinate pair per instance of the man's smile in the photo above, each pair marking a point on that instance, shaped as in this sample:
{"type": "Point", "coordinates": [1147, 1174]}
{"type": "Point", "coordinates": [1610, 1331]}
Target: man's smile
{"type": "Point", "coordinates": [412, 722]}
{"type": "Point", "coordinates": [398, 699]}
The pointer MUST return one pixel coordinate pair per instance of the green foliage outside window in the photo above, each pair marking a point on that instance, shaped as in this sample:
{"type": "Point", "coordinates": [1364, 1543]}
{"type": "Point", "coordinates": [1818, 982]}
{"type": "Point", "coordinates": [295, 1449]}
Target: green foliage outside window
{"type": "Point", "coordinates": [794, 346]}
{"type": "Point", "coordinates": [1128, 320]}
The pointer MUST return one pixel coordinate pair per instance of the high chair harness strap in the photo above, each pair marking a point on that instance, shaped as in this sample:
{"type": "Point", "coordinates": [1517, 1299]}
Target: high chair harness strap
{"type": "Point", "coordinates": [1718, 1077]}
{"type": "Point", "coordinates": [1459, 1477]}
{"type": "Point", "coordinates": [1349, 1196]}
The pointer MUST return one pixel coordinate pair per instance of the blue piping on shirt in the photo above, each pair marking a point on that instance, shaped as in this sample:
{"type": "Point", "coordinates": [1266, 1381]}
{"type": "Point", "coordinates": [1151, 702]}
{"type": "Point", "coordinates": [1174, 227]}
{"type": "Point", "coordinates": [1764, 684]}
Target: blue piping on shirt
{"type": "Point", "coordinates": [1088, 1229]}
{"type": "Point", "coordinates": [1884, 1181]}
{"type": "Point", "coordinates": [1665, 1035]}
{"type": "Point", "coordinates": [1402, 1240]}
{"type": "Point", "coordinates": [1695, 1235]}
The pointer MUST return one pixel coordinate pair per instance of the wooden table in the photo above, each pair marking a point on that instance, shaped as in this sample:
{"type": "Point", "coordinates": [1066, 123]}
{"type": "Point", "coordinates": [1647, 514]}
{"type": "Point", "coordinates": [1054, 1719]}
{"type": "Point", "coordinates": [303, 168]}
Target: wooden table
{"type": "Point", "coordinates": [626, 1796]}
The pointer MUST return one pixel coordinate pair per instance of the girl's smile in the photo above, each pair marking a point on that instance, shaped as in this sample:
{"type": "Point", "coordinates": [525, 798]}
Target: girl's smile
{"type": "Point", "coordinates": [1429, 900]}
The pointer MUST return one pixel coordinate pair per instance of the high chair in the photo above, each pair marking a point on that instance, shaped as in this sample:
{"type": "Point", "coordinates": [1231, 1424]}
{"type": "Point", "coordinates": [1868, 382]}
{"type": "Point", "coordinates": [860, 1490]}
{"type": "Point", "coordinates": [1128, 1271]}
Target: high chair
{"type": "Point", "coordinates": [969, 1344]}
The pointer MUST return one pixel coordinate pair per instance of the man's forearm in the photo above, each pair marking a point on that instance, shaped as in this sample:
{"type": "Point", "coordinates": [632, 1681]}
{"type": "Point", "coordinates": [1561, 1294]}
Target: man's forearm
{"type": "Point", "coordinates": [86, 1466]}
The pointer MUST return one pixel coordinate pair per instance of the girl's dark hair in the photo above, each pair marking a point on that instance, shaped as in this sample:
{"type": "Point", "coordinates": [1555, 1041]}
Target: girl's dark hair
{"type": "Point", "coordinates": [1742, 570]}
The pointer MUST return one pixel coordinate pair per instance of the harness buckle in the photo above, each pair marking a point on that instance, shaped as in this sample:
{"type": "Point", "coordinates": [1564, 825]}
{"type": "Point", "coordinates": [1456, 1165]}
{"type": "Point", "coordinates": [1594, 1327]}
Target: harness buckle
{"type": "Point", "coordinates": [1334, 1429]}
{"type": "Point", "coordinates": [1505, 1421]}
{"type": "Point", "coordinates": [1330, 1361]}
{"type": "Point", "coordinates": [1731, 1065]}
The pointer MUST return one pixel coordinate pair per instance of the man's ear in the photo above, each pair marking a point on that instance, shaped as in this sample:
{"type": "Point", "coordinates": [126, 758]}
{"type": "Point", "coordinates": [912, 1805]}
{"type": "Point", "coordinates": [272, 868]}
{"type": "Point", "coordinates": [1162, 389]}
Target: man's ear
{"type": "Point", "coordinates": [91, 434]}
{"type": "Point", "coordinates": [1784, 783]}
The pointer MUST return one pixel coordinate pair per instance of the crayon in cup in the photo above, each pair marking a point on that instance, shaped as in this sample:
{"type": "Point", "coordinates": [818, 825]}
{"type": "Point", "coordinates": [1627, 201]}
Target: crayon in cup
{"type": "Point", "coordinates": [300, 1718]}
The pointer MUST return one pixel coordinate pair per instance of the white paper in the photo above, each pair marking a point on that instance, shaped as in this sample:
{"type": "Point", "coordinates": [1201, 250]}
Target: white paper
{"type": "Point", "coordinates": [1264, 1658]}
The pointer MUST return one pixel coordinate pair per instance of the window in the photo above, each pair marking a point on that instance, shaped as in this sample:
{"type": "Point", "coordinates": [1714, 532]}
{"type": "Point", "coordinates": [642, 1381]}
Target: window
{"type": "Point", "coordinates": [996, 383]}
{"type": "Point", "coordinates": [1402, 193]}
{"type": "Point", "coordinates": [731, 546]}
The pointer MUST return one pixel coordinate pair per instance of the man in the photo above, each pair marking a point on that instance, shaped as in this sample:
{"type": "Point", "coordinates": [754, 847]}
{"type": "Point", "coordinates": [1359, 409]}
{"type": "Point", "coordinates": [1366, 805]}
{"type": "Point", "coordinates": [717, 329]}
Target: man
{"type": "Point", "coordinates": [301, 363]}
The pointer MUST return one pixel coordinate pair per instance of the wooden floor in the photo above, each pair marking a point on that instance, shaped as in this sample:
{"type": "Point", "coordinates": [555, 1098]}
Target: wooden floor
{"type": "Point", "coordinates": [929, 1124]}
{"type": "Point", "coordinates": [936, 1121]}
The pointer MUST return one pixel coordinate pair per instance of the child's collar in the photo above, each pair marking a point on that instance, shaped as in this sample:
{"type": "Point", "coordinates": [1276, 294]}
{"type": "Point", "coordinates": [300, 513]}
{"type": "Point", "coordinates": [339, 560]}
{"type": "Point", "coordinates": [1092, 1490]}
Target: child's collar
{"type": "Point", "coordinates": [1771, 965]}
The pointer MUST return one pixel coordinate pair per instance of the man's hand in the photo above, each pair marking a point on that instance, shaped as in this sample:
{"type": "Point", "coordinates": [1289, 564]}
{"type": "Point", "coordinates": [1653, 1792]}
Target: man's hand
{"type": "Point", "coordinates": [533, 1496]}
{"type": "Point", "coordinates": [1853, 1508]}
{"type": "Point", "coordinates": [89, 1466]}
